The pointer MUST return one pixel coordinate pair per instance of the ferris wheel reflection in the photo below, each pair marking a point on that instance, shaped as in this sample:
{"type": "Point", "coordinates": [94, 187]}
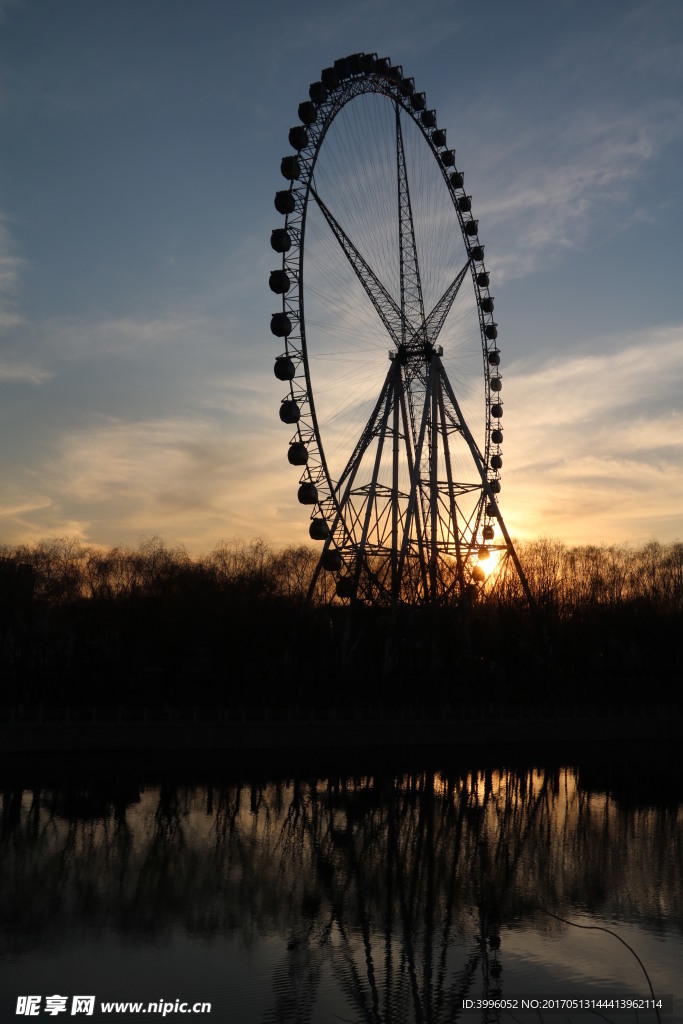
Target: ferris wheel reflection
{"type": "Point", "coordinates": [383, 898]}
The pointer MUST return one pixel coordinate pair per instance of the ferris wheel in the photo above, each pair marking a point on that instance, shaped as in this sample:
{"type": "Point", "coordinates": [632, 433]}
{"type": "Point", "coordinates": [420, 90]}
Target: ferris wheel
{"type": "Point", "coordinates": [390, 345]}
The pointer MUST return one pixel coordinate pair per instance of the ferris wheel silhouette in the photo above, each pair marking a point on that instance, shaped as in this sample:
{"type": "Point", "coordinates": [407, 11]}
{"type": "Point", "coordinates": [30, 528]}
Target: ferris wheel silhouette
{"type": "Point", "coordinates": [391, 351]}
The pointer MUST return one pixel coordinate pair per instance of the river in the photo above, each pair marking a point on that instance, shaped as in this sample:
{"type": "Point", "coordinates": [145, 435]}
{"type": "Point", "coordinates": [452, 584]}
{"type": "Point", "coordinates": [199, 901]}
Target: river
{"type": "Point", "coordinates": [422, 894]}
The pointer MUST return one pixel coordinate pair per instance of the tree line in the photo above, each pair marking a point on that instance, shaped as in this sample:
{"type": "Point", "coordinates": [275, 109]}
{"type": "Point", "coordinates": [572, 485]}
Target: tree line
{"type": "Point", "coordinates": [153, 625]}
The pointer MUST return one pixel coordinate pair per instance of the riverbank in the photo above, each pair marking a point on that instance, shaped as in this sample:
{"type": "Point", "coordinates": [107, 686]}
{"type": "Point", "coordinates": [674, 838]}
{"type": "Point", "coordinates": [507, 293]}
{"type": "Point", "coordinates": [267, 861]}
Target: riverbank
{"type": "Point", "coordinates": [82, 627]}
{"type": "Point", "coordinates": [331, 729]}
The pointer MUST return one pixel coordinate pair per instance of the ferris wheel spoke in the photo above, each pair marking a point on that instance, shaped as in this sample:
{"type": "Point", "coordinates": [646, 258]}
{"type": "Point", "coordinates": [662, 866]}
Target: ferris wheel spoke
{"type": "Point", "coordinates": [438, 315]}
{"type": "Point", "coordinates": [412, 302]}
{"type": "Point", "coordinates": [386, 307]}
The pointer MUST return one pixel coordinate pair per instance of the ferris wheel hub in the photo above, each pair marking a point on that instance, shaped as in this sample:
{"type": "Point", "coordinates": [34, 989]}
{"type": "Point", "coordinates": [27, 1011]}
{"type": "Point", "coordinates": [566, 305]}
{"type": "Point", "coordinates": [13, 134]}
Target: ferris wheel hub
{"type": "Point", "coordinates": [415, 352]}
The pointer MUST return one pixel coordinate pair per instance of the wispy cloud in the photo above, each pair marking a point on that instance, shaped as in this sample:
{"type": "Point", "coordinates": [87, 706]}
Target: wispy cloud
{"type": "Point", "coordinates": [552, 188]}
{"type": "Point", "coordinates": [26, 373]}
{"type": "Point", "coordinates": [78, 338]}
{"type": "Point", "coordinates": [10, 267]}
{"type": "Point", "coordinates": [566, 151]}
{"type": "Point", "coordinates": [593, 451]}
{"type": "Point", "coordinates": [189, 479]}
{"type": "Point", "coordinates": [594, 443]}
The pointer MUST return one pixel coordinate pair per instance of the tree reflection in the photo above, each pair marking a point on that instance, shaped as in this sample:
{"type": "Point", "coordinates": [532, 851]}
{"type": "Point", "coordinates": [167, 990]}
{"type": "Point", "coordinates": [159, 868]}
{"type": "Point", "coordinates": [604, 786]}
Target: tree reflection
{"type": "Point", "coordinates": [398, 889]}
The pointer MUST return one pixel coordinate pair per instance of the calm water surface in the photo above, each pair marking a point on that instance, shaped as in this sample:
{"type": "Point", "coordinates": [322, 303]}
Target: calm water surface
{"type": "Point", "coordinates": [376, 898]}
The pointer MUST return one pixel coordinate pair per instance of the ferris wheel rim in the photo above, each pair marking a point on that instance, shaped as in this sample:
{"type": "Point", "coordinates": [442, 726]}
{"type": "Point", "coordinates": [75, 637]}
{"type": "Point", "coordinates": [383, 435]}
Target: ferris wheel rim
{"type": "Point", "coordinates": [317, 118]}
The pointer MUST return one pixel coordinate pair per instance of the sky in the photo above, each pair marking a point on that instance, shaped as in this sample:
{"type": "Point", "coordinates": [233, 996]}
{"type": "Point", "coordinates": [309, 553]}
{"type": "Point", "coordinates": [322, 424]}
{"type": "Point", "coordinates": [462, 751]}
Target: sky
{"type": "Point", "coordinates": [140, 148]}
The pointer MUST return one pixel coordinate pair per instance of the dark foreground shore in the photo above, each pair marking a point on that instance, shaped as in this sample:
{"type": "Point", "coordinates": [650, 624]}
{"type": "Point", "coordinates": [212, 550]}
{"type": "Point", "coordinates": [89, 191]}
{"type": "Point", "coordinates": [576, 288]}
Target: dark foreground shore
{"type": "Point", "coordinates": [334, 729]}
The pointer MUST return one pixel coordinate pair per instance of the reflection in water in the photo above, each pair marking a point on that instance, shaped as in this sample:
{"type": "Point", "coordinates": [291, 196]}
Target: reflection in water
{"type": "Point", "coordinates": [394, 897]}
